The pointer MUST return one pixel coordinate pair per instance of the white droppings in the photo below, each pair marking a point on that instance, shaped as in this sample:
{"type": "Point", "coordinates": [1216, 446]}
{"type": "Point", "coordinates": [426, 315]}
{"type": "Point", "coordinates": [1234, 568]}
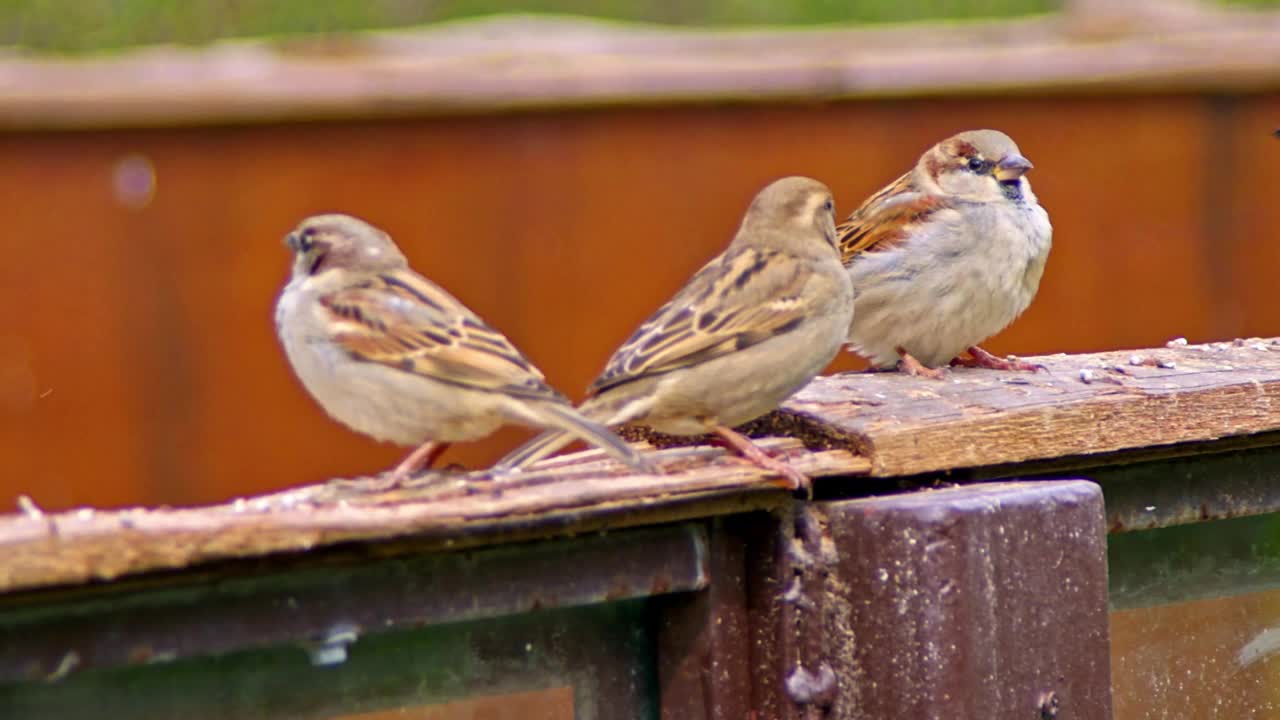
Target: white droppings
{"type": "Point", "coordinates": [332, 650]}
{"type": "Point", "coordinates": [1086, 376]}
{"type": "Point", "coordinates": [162, 656]}
{"type": "Point", "coordinates": [65, 666]}
{"type": "Point", "coordinates": [1176, 342]}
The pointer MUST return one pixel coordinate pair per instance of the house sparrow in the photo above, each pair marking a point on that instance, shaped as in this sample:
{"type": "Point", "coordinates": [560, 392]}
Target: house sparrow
{"type": "Point", "coordinates": [750, 328]}
{"type": "Point", "coordinates": [391, 355]}
{"type": "Point", "coordinates": [946, 256]}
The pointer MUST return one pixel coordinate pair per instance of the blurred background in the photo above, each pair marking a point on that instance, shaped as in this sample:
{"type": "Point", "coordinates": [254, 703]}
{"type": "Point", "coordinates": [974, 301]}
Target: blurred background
{"type": "Point", "coordinates": [562, 174]}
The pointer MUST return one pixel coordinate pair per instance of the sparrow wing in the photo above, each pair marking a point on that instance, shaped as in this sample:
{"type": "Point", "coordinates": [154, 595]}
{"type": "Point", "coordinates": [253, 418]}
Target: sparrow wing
{"type": "Point", "coordinates": [405, 322]}
{"type": "Point", "coordinates": [743, 297]}
{"type": "Point", "coordinates": [886, 218]}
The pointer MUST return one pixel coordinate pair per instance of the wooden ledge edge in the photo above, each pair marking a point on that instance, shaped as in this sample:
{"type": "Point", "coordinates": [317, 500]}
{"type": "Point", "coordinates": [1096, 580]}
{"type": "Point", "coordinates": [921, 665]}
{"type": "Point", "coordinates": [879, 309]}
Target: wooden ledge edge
{"type": "Point", "coordinates": [578, 494]}
{"type": "Point", "coordinates": [1084, 405]}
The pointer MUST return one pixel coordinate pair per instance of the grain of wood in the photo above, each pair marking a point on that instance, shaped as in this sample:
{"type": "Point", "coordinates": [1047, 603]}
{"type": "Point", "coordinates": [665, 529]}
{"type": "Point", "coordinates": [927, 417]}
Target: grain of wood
{"type": "Point", "coordinates": [576, 494]}
{"type": "Point", "coordinates": [848, 425]}
{"type": "Point", "coordinates": [906, 426]}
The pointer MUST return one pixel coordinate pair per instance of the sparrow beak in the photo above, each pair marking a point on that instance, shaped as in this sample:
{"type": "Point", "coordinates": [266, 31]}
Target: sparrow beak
{"type": "Point", "coordinates": [1012, 167]}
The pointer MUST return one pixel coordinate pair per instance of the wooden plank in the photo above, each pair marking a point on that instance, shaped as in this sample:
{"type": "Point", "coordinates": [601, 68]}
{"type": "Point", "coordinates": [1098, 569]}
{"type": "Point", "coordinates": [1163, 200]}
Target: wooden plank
{"type": "Point", "coordinates": [1082, 405]}
{"type": "Point", "coordinates": [519, 63]}
{"type": "Point", "coordinates": [573, 494]}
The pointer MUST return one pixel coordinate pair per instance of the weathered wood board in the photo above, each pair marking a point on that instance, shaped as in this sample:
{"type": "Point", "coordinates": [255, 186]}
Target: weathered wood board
{"type": "Point", "coordinates": [573, 494]}
{"type": "Point", "coordinates": [844, 426]}
{"type": "Point", "coordinates": [1081, 404]}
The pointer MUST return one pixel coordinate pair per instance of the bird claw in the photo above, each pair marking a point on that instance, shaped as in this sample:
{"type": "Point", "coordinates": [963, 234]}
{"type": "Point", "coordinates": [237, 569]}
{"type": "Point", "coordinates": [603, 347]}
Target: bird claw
{"type": "Point", "coordinates": [758, 456]}
{"type": "Point", "coordinates": [909, 365]}
{"type": "Point", "coordinates": [980, 358]}
{"type": "Point", "coordinates": [420, 459]}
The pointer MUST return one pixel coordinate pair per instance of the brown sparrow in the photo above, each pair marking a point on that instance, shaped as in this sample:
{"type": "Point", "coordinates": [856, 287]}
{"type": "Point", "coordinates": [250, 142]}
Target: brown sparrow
{"type": "Point", "coordinates": [946, 256]}
{"type": "Point", "coordinates": [391, 355]}
{"type": "Point", "coordinates": [750, 328]}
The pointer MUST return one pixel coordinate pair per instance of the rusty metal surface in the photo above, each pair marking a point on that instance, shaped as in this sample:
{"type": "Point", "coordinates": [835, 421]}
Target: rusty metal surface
{"type": "Point", "coordinates": [1152, 487]}
{"type": "Point", "coordinates": [790, 559]}
{"type": "Point", "coordinates": [809, 681]}
{"type": "Point", "coordinates": [330, 602]}
{"type": "Point", "coordinates": [1194, 489]}
{"type": "Point", "coordinates": [705, 643]}
{"type": "Point", "coordinates": [771, 624]}
{"type": "Point", "coordinates": [986, 601]}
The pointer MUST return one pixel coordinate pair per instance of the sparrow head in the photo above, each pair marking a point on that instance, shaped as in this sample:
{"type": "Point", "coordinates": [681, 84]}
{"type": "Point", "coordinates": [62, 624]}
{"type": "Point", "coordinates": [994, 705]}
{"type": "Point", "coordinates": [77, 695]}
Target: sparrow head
{"type": "Point", "coordinates": [797, 212]}
{"type": "Point", "coordinates": [981, 165]}
{"type": "Point", "coordinates": [328, 242]}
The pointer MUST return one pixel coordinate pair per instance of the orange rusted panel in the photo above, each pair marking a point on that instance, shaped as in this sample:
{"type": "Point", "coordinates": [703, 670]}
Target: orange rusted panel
{"type": "Point", "coordinates": [138, 362]}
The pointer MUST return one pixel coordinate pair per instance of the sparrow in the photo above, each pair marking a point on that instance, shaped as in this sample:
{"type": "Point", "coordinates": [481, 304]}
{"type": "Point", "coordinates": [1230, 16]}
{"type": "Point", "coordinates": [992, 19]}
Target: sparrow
{"type": "Point", "coordinates": [946, 256]}
{"type": "Point", "coordinates": [750, 328]}
{"type": "Point", "coordinates": [391, 355]}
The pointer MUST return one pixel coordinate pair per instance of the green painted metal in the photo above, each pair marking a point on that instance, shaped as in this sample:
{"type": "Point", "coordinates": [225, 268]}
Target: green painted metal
{"type": "Point", "coordinates": [604, 652]}
{"type": "Point", "coordinates": [1194, 562]}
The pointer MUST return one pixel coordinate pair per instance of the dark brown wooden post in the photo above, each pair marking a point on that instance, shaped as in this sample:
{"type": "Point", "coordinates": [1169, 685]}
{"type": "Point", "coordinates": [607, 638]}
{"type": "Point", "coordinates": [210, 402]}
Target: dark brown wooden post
{"type": "Point", "coordinates": [986, 601]}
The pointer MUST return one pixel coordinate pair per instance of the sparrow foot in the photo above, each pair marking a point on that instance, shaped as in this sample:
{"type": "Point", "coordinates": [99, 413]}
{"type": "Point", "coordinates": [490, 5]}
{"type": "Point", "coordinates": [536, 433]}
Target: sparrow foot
{"type": "Point", "coordinates": [980, 358]}
{"type": "Point", "coordinates": [421, 459]}
{"type": "Point", "coordinates": [913, 367]}
{"type": "Point", "coordinates": [759, 457]}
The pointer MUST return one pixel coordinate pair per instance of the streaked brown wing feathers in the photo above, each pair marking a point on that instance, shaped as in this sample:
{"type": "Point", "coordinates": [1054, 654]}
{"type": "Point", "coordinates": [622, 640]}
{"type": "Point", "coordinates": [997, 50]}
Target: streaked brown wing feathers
{"type": "Point", "coordinates": [738, 300]}
{"type": "Point", "coordinates": [885, 218]}
{"type": "Point", "coordinates": [408, 324]}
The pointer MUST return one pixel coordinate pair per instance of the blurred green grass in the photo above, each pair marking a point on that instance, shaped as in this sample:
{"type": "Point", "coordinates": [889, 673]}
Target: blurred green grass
{"type": "Point", "coordinates": [74, 26]}
{"type": "Point", "coordinates": [86, 25]}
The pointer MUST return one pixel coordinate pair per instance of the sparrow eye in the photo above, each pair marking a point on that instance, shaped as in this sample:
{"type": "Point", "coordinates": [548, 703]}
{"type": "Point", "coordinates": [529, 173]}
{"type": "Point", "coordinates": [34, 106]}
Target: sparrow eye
{"type": "Point", "coordinates": [305, 239]}
{"type": "Point", "coordinates": [976, 164]}
{"type": "Point", "coordinates": [828, 206]}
